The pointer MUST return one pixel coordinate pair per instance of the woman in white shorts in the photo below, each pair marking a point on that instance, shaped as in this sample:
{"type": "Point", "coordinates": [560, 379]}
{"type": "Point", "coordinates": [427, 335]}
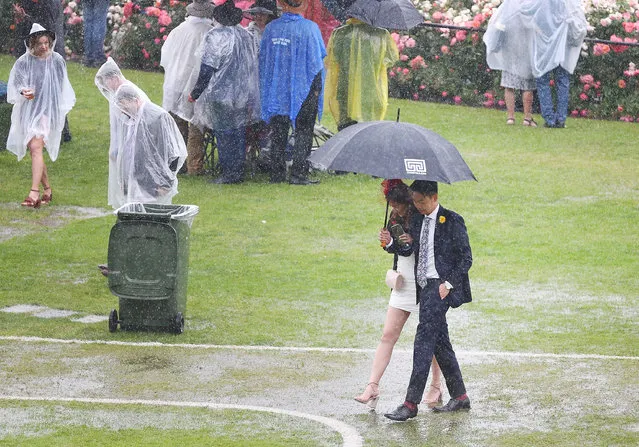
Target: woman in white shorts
{"type": "Point", "coordinates": [403, 301]}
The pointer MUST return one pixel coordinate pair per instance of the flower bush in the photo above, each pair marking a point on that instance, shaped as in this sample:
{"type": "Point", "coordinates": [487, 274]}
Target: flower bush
{"type": "Point", "coordinates": [447, 65]}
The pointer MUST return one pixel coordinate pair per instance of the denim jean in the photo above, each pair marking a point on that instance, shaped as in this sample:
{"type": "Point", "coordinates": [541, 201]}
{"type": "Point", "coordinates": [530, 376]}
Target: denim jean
{"type": "Point", "coordinates": [231, 151]}
{"type": "Point", "coordinates": [94, 15]}
{"type": "Point", "coordinates": [551, 115]}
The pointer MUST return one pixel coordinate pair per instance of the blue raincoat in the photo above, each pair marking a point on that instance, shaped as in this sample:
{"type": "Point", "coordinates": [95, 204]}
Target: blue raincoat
{"type": "Point", "coordinates": [291, 54]}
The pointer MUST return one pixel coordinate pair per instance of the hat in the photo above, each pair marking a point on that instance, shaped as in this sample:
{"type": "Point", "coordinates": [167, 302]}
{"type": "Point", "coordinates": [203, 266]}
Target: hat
{"type": "Point", "coordinates": [263, 7]}
{"type": "Point", "coordinates": [227, 13]}
{"type": "Point", "coordinates": [37, 29]}
{"type": "Point", "coordinates": [200, 8]}
{"type": "Point", "coordinates": [425, 187]}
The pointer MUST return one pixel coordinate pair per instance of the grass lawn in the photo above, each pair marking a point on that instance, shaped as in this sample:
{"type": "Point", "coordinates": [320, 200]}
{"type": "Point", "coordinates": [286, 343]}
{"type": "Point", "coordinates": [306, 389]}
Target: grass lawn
{"type": "Point", "coordinates": [553, 223]}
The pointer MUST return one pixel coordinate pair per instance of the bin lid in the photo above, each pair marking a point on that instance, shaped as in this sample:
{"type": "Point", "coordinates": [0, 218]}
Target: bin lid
{"type": "Point", "coordinates": [143, 259]}
{"type": "Point", "coordinates": [157, 212]}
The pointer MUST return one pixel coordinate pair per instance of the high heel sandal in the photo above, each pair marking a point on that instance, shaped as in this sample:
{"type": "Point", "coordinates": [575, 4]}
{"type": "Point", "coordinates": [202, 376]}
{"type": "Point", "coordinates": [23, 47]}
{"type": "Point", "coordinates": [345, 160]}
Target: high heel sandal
{"type": "Point", "coordinates": [31, 203]}
{"type": "Point", "coordinates": [434, 399]}
{"type": "Point", "coordinates": [46, 198]}
{"type": "Point", "coordinates": [371, 400]}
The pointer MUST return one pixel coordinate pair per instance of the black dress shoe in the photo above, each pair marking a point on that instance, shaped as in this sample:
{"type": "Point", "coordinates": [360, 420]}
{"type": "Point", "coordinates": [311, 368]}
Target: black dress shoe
{"type": "Point", "coordinates": [295, 180]}
{"type": "Point", "coordinates": [402, 413]}
{"type": "Point", "coordinates": [547, 124]}
{"type": "Point", "coordinates": [454, 405]}
{"type": "Point", "coordinates": [560, 125]}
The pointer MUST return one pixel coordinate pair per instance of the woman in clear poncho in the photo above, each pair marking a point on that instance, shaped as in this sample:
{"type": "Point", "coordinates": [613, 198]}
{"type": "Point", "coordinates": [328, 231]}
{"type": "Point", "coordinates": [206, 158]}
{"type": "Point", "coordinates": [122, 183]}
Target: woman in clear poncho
{"type": "Point", "coordinates": [509, 49]}
{"type": "Point", "coordinates": [151, 149]}
{"type": "Point", "coordinates": [358, 56]}
{"type": "Point", "coordinates": [108, 79]}
{"type": "Point", "coordinates": [226, 94]}
{"type": "Point", "coordinates": [41, 94]}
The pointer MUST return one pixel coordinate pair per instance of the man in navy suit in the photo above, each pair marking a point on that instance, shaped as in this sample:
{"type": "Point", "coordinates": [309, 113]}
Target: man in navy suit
{"type": "Point", "coordinates": [442, 259]}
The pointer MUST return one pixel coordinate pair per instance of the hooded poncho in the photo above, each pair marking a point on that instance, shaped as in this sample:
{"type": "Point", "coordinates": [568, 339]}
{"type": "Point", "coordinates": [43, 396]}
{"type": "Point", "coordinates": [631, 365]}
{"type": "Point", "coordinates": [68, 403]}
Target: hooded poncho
{"type": "Point", "coordinates": [356, 67]}
{"type": "Point", "coordinates": [291, 55]}
{"type": "Point", "coordinates": [231, 99]}
{"type": "Point", "coordinates": [555, 28]}
{"type": "Point", "coordinates": [181, 64]}
{"type": "Point", "coordinates": [43, 116]}
{"type": "Point", "coordinates": [151, 152]}
{"type": "Point", "coordinates": [108, 79]}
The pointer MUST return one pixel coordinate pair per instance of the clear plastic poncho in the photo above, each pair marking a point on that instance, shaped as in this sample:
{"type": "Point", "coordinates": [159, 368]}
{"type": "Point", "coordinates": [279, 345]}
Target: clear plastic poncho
{"type": "Point", "coordinates": [44, 115]}
{"type": "Point", "coordinates": [108, 79]}
{"type": "Point", "coordinates": [181, 64]}
{"type": "Point", "coordinates": [559, 28]}
{"type": "Point", "coordinates": [509, 44]}
{"type": "Point", "coordinates": [152, 149]}
{"type": "Point", "coordinates": [232, 98]}
{"type": "Point", "coordinates": [356, 71]}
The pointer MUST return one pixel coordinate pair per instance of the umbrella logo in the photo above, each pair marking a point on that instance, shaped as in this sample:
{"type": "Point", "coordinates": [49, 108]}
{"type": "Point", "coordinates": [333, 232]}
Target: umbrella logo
{"type": "Point", "coordinates": [415, 166]}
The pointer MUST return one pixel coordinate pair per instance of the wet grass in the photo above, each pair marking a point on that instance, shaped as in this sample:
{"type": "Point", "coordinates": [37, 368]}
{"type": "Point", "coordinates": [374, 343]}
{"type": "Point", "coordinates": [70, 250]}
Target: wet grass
{"type": "Point", "coordinates": [554, 227]}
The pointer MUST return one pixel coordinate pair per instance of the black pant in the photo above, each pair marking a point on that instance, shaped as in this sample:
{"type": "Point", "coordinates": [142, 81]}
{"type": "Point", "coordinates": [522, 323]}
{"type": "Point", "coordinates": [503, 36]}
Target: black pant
{"type": "Point", "coordinates": [304, 125]}
{"type": "Point", "coordinates": [432, 338]}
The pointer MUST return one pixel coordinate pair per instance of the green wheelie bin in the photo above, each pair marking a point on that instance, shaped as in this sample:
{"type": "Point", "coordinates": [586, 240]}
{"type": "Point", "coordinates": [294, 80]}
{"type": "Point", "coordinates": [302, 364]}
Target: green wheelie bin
{"type": "Point", "coordinates": [148, 266]}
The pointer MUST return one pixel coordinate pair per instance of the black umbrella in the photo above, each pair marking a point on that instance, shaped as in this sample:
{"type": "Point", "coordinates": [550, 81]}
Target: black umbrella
{"type": "Point", "coordinates": [391, 14]}
{"type": "Point", "coordinates": [390, 150]}
{"type": "Point", "coordinates": [338, 8]}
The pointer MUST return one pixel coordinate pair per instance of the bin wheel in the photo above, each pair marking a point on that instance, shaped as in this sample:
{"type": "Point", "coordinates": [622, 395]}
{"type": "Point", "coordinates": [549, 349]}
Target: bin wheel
{"type": "Point", "coordinates": [178, 324]}
{"type": "Point", "coordinates": [113, 320]}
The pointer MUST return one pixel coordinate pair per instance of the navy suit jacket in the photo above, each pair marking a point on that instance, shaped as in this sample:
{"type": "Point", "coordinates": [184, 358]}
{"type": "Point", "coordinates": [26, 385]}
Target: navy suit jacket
{"type": "Point", "coordinates": [453, 257]}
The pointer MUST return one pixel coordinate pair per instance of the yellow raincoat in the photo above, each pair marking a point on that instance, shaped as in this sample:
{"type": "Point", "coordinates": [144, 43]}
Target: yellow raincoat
{"type": "Point", "coordinates": [357, 62]}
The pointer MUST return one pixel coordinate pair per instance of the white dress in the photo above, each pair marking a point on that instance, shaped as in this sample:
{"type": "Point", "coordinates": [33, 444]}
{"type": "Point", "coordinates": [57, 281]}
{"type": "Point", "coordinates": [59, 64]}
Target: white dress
{"type": "Point", "coordinates": [405, 298]}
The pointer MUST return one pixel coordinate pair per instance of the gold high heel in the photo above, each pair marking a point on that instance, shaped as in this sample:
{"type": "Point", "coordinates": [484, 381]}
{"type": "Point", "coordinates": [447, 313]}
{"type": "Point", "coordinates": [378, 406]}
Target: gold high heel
{"type": "Point", "coordinates": [371, 400]}
{"type": "Point", "coordinates": [433, 398]}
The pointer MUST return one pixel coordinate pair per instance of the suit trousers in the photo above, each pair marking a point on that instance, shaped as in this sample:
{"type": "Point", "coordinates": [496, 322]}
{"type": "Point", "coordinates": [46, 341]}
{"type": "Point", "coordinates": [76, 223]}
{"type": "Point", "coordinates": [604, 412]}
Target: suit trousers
{"type": "Point", "coordinates": [432, 339]}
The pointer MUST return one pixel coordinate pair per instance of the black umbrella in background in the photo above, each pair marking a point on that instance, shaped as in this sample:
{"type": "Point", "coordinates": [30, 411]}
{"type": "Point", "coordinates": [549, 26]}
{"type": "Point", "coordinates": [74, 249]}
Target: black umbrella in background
{"type": "Point", "coordinates": [338, 8]}
{"type": "Point", "coordinates": [389, 14]}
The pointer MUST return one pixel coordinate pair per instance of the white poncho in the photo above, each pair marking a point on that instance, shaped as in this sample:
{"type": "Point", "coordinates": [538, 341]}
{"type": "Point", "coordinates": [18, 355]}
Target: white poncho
{"type": "Point", "coordinates": [43, 116]}
{"type": "Point", "coordinates": [181, 64]}
{"type": "Point", "coordinates": [555, 30]}
{"type": "Point", "coordinates": [232, 98]}
{"type": "Point", "coordinates": [152, 149]}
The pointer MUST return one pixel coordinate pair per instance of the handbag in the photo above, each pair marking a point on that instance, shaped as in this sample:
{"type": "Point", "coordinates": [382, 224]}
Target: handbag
{"type": "Point", "coordinates": [394, 279]}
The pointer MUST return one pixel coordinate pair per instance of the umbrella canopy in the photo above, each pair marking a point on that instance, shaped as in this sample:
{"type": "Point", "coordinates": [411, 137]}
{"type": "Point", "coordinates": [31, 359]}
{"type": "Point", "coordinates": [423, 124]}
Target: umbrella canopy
{"type": "Point", "coordinates": [391, 14]}
{"type": "Point", "coordinates": [390, 149]}
{"type": "Point", "coordinates": [338, 8]}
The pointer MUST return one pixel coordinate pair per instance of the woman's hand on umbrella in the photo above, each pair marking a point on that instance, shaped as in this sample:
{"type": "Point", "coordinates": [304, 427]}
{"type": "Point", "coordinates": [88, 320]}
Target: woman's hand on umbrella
{"type": "Point", "coordinates": [384, 237]}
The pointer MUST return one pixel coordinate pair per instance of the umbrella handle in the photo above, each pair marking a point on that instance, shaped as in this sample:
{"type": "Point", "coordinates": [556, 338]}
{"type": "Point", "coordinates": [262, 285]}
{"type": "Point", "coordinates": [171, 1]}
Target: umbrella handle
{"type": "Point", "coordinates": [385, 222]}
{"type": "Point", "coordinates": [398, 111]}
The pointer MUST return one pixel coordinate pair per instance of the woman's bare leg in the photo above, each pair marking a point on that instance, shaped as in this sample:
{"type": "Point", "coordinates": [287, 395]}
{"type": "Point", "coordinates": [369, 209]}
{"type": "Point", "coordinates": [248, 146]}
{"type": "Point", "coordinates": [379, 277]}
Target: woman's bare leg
{"type": "Point", "coordinates": [38, 168]}
{"type": "Point", "coordinates": [434, 394]}
{"type": "Point", "coordinates": [509, 97]}
{"type": "Point", "coordinates": [527, 98]}
{"type": "Point", "coordinates": [395, 320]}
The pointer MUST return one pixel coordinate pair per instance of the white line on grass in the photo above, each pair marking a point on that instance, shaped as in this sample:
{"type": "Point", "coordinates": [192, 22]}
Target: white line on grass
{"type": "Point", "coordinates": [503, 354]}
{"type": "Point", "coordinates": [349, 434]}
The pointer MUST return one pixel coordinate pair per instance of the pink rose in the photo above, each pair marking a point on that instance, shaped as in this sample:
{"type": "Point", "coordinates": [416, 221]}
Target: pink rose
{"type": "Point", "coordinates": [445, 49]}
{"type": "Point", "coordinates": [584, 112]}
{"type": "Point", "coordinates": [410, 43]}
{"type": "Point", "coordinates": [488, 95]}
{"type": "Point", "coordinates": [391, 74]}
{"type": "Point", "coordinates": [157, 41]}
{"type": "Point", "coordinates": [147, 25]}
{"type": "Point", "coordinates": [460, 35]}
{"type": "Point", "coordinates": [586, 87]}
{"type": "Point", "coordinates": [403, 58]}
{"type": "Point", "coordinates": [574, 113]}
{"type": "Point", "coordinates": [405, 71]}
{"type": "Point", "coordinates": [501, 103]}
{"type": "Point", "coordinates": [164, 37]}
{"type": "Point", "coordinates": [437, 16]}
{"type": "Point", "coordinates": [621, 83]}
{"type": "Point", "coordinates": [162, 29]}
{"type": "Point", "coordinates": [415, 96]}
{"type": "Point", "coordinates": [164, 19]}
{"type": "Point", "coordinates": [145, 53]}
{"type": "Point", "coordinates": [628, 27]}
{"type": "Point", "coordinates": [444, 94]}
{"type": "Point", "coordinates": [422, 87]}
{"type": "Point", "coordinates": [619, 108]}
{"type": "Point", "coordinates": [586, 79]}
{"type": "Point", "coordinates": [489, 103]}
{"type": "Point", "coordinates": [457, 99]}
{"type": "Point", "coordinates": [583, 97]}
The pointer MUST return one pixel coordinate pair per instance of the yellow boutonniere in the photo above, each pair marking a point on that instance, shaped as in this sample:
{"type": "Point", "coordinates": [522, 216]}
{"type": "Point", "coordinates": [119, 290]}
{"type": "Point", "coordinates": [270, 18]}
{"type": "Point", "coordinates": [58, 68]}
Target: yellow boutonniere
{"type": "Point", "coordinates": [442, 219]}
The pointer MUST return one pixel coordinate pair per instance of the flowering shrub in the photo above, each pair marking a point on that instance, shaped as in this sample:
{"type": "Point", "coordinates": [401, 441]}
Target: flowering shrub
{"type": "Point", "coordinates": [447, 65]}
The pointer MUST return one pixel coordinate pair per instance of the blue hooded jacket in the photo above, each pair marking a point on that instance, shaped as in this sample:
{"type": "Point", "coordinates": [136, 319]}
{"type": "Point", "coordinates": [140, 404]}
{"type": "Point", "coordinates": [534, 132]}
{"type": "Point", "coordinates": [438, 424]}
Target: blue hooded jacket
{"type": "Point", "coordinates": [291, 54]}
